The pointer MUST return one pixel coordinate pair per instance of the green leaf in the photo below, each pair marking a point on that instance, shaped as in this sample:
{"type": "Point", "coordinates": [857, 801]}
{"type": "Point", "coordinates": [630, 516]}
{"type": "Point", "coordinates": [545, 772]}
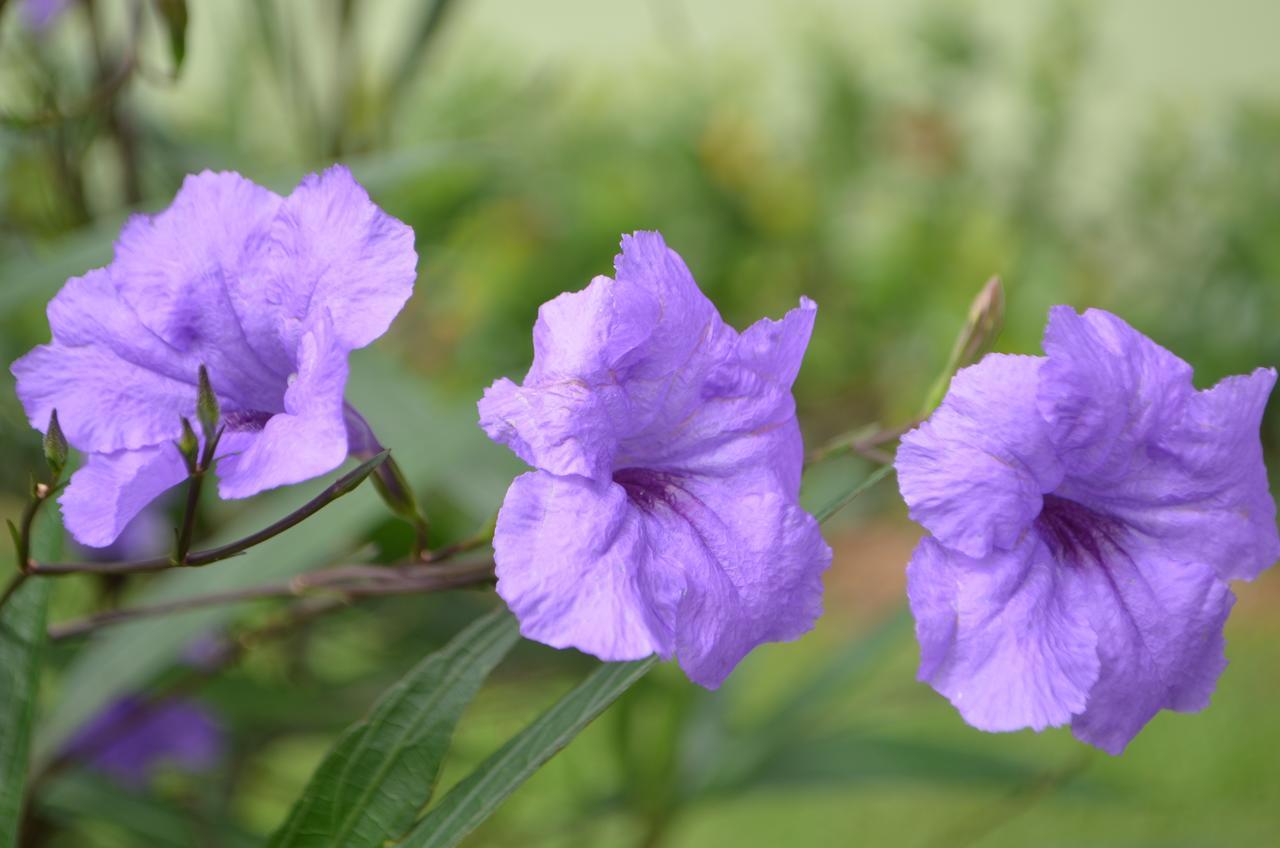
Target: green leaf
{"type": "Point", "coordinates": [476, 797]}
{"type": "Point", "coordinates": [79, 803]}
{"type": "Point", "coordinates": [22, 638]}
{"type": "Point", "coordinates": [841, 501]}
{"type": "Point", "coordinates": [357, 797]}
{"type": "Point", "coordinates": [175, 16]}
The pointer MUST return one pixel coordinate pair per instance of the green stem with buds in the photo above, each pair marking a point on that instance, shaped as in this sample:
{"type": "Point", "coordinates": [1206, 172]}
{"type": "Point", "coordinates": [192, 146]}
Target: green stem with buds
{"type": "Point", "coordinates": [345, 485]}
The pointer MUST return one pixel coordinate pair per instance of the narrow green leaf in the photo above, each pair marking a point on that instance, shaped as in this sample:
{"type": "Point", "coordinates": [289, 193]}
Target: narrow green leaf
{"type": "Point", "coordinates": [841, 501]}
{"type": "Point", "coordinates": [22, 638]}
{"type": "Point", "coordinates": [175, 16]}
{"type": "Point", "coordinates": [357, 797]}
{"type": "Point", "coordinates": [475, 798]}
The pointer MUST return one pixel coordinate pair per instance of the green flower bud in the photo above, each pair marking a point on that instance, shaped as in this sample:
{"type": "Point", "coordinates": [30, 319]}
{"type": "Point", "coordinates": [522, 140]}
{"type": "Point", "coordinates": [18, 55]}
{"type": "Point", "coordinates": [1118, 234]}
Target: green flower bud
{"type": "Point", "coordinates": [207, 410]}
{"type": "Point", "coordinates": [188, 446]}
{"type": "Point", "coordinates": [55, 446]}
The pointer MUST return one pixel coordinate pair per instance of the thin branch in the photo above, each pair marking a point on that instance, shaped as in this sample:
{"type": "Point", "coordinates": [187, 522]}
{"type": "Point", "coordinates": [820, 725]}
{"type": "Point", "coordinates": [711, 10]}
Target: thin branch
{"type": "Point", "coordinates": [344, 486]}
{"type": "Point", "coordinates": [22, 538]}
{"type": "Point", "coordinates": [865, 441]}
{"type": "Point", "coordinates": [479, 540]}
{"type": "Point", "coordinates": [109, 83]}
{"type": "Point", "coordinates": [347, 582]}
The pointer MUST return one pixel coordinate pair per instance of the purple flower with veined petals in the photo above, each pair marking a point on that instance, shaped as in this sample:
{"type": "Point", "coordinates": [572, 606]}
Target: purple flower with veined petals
{"type": "Point", "coordinates": [132, 738]}
{"type": "Point", "coordinates": [270, 293]}
{"type": "Point", "coordinates": [1086, 510]}
{"type": "Point", "coordinates": [663, 516]}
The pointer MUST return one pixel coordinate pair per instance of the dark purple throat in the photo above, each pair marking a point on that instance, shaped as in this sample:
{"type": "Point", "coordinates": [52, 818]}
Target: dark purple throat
{"type": "Point", "coordinates": [245, 420]}
{"type": "Point", "coordinates": [1076, 534]}
{"type": "Point", "coordinates": [648, 489]}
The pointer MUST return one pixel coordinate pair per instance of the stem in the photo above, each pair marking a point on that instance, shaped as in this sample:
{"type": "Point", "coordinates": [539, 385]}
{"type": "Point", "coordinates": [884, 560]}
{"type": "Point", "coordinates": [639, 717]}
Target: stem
{"type": "Point", "coordinates": [296, 615]}
{"type": "Point", "coordinates": [14, 585]}
{"type": "Point", "coordinates": [863, 441]}
{"type": "Point", "coordinates": [22, 540]}
{"type": "Point", "coordinates": [848, 497]}
{"type": "Point", "coordinates": [479, 540]}
{"type": "Point", "coordinates": [194, 484]}
{"type": "Point", "coordinates": [346, 582]}
{"type": "Point", "coordinates": [343, 486]}
{"type": "Point", "coordinates": [117, 124]}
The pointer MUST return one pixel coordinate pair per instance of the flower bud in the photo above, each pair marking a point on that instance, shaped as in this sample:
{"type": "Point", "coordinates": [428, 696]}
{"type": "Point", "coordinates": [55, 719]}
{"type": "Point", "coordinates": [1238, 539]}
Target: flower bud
{"type": "Point", "coordinates": [55, 446]}
{"type": "Point", "coordinates": [986, 317]}
{"type": "Point", "coordinates": [207, 410]}
{"type": "Point", "coordinates": [188, 446]}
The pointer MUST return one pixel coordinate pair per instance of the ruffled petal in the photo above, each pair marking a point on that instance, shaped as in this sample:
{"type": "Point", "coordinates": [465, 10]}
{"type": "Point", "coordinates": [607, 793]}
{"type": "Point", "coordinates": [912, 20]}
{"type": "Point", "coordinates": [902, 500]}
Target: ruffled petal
{"type": "Point", "coordinates": [112, 488]}
{"type": "Point", "coordinates": [330, 248]}
{"type": "Point", "coordinates": [1004, 637]}
{"type": "Point", "coordinates": [570, 412]}
{"type": "Point", "coordinates": [587, 334]}
{"type": "Point", "coordinates": [572, 562]}
{"type": "Point", "coordinates": [563, 428]}
{"type": "Point", "coordinates": [752, 560]}
{"type": "Point", "coordinates": [1105, 390]}
{"type": "Point", "coordinates": [1159, 620]}
{"type": "Point", "coordinates": [308, 438]}
{"type": "Point", "coordinates": [974, 473]}
{"type": "Point", "coordinates": [184, 273]}
{"type": "Point", "coordinates": [685, 314]}
{"type": "Point", "coordinates": [1201, 486]}
{"type": "Point", "coordinates": [115, 384]}
{"type": "Point", "coordinates": [743, 400]}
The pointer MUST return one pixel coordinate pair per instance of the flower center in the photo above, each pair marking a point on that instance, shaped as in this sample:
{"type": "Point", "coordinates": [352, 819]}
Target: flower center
{"type": "Point", "coordinates": [245, 420]}
{"type": "Point", "coordinates": [1075, 533]}
{"type": "Point", "coordinates": [647, 488]}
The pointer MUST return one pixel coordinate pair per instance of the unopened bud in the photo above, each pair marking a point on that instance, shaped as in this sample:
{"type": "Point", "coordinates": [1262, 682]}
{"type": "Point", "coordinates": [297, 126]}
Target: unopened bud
{"type": "Point", "coordinates": [986, 317]}
{"type": "Point", "coordinates": [207, 410]}
{"type": "Point", "coordinates": [55, 446]}
{"type": "Point", "coordinates": [188, 446]}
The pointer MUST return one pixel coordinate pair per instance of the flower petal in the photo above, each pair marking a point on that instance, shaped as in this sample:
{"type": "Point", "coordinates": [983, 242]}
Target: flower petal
{"type": "Point", "coordinates": [568, 415]}
{"type": "Point", "coordinates": [1159, 620]}
{"type": "Point", "coordinates": [587, 334]}
{"type": "Point", "coordinates": [1201, 485]}
{"type": "Point", "coordinates": [1105, 389]}
{"type": "Point", "coordinates": [133, 736]}
{"type": "Point", "coordinates": [330, 248]}
{"type": "Point", "coordinates": [306, 440]}
{"type": "Point", "coordinates": [111, 488]}
{"type": "Point", "coordinates": [1003, 637]}
{"type": "Point", "coordinates": [562, 428]}
{"type": "Point", "coordinates": [116, 386]}
{"type": "Point", "coordinates": [184, 274]}
{"type": "Point", "coordinates": [685, 314]}
{"type": "Point", "coordinates": [742, 397]}
{"type": "Point", "coordinates": [572, 563]}
{"type": "Point", "coordinates": [974, 473]}
{"type": "Point", "coordinates": [753, 562]}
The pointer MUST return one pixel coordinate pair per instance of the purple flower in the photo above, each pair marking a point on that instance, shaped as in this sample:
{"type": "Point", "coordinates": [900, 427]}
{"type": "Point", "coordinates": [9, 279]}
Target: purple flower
{"type": "Point", "coordinates": [132, 738]}
{"type": "Point", "coordinates": [1086, 509]}
{"type": "Point", "coordinates": [270, 293]}
{"type": "Point", "coordinates": [663, 516]}
{"type": "Point", "coordinates": [40, 14]}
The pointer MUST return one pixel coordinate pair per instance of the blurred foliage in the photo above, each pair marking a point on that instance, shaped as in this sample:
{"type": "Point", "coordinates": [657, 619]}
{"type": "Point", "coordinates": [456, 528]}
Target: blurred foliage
{"type": "Point", "coordinates": [878, 198]}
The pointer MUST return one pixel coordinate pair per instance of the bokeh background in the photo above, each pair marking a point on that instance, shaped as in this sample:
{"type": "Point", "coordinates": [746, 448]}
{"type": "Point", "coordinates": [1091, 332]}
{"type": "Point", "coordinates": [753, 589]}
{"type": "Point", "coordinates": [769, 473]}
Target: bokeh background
{"type": "Point", "coordinates": [883, 157]}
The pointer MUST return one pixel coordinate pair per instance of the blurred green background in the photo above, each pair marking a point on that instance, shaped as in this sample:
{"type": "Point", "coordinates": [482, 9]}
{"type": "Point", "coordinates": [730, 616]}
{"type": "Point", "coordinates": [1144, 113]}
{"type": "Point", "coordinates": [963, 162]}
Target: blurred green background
{"type": "Point", "coordinates": [884, 158]}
